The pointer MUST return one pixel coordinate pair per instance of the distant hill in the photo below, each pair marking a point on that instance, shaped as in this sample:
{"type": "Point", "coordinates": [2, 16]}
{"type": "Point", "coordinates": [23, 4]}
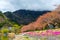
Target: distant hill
{"type": "Point", "coordinates": [4, 21]}
{"type": "Point", "coordinates": [24, 16]}
{"type": "Point", "coordinates": [1, 18]}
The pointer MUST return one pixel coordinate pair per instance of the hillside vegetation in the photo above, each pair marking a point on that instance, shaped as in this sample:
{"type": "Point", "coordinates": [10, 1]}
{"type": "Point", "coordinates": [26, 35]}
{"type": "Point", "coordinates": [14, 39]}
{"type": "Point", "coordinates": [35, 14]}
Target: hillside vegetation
{"type": "Point", "coordinates": [49, 20]}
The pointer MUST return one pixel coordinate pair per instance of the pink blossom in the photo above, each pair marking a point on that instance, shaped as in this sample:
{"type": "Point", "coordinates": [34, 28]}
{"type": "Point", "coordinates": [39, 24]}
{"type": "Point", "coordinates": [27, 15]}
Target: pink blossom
{"type": "Point", "coordinates": [56, 33]}
{"type": "Point", "coordinates": [44, 33]}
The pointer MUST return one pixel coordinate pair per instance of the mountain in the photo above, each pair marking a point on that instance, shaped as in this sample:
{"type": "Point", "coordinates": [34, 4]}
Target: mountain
{"type": "Point", "coordinates": [24, 17]}
{"type": "Point", "coordinates": [46, 21]}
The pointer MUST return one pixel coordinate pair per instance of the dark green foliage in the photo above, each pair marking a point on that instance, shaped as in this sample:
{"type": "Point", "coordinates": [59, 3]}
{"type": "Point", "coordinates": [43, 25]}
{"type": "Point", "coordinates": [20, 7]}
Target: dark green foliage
{"type": "Point", "coordinates": [1, 24]}
{"type": "Point", "coordinates": [24, 16]}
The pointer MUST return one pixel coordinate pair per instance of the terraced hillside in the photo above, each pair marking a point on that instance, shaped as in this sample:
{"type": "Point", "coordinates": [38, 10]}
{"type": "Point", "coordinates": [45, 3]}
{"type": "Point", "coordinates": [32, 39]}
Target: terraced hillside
{"type": "Point", "coordinates": [1, 18]}
{"type": "Point", "coordinates": [4, 21]}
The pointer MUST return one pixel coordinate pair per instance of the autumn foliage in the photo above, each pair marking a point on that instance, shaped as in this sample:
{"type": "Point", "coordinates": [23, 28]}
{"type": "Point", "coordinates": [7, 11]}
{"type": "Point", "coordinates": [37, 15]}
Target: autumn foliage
{"type": "Point", "coordinates": [42, 21]}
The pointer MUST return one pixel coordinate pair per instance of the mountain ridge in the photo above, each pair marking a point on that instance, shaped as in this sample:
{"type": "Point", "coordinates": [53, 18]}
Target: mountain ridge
{"type": "Point", "coordinates": [24, 16]}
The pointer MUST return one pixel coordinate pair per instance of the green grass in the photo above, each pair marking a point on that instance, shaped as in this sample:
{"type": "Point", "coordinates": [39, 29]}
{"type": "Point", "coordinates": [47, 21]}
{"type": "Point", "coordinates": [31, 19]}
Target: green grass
{"type": "Point", "coordinates": [4, 38]}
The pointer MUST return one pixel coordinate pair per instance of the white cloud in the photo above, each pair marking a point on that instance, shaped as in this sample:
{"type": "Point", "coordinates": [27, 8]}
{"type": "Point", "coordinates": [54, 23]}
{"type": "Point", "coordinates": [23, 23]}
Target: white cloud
{"type": "Point", "coordinates": [39, 4]}
{"type": "Point", "coordinates": [6, 6]}
{"type": "Point", "coordinates": [11, 5]}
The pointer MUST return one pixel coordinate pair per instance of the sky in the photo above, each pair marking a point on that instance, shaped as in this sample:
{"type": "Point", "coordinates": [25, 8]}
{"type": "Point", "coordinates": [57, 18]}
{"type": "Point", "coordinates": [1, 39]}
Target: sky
{"type": "Point", "coordinates": [13, 5]}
